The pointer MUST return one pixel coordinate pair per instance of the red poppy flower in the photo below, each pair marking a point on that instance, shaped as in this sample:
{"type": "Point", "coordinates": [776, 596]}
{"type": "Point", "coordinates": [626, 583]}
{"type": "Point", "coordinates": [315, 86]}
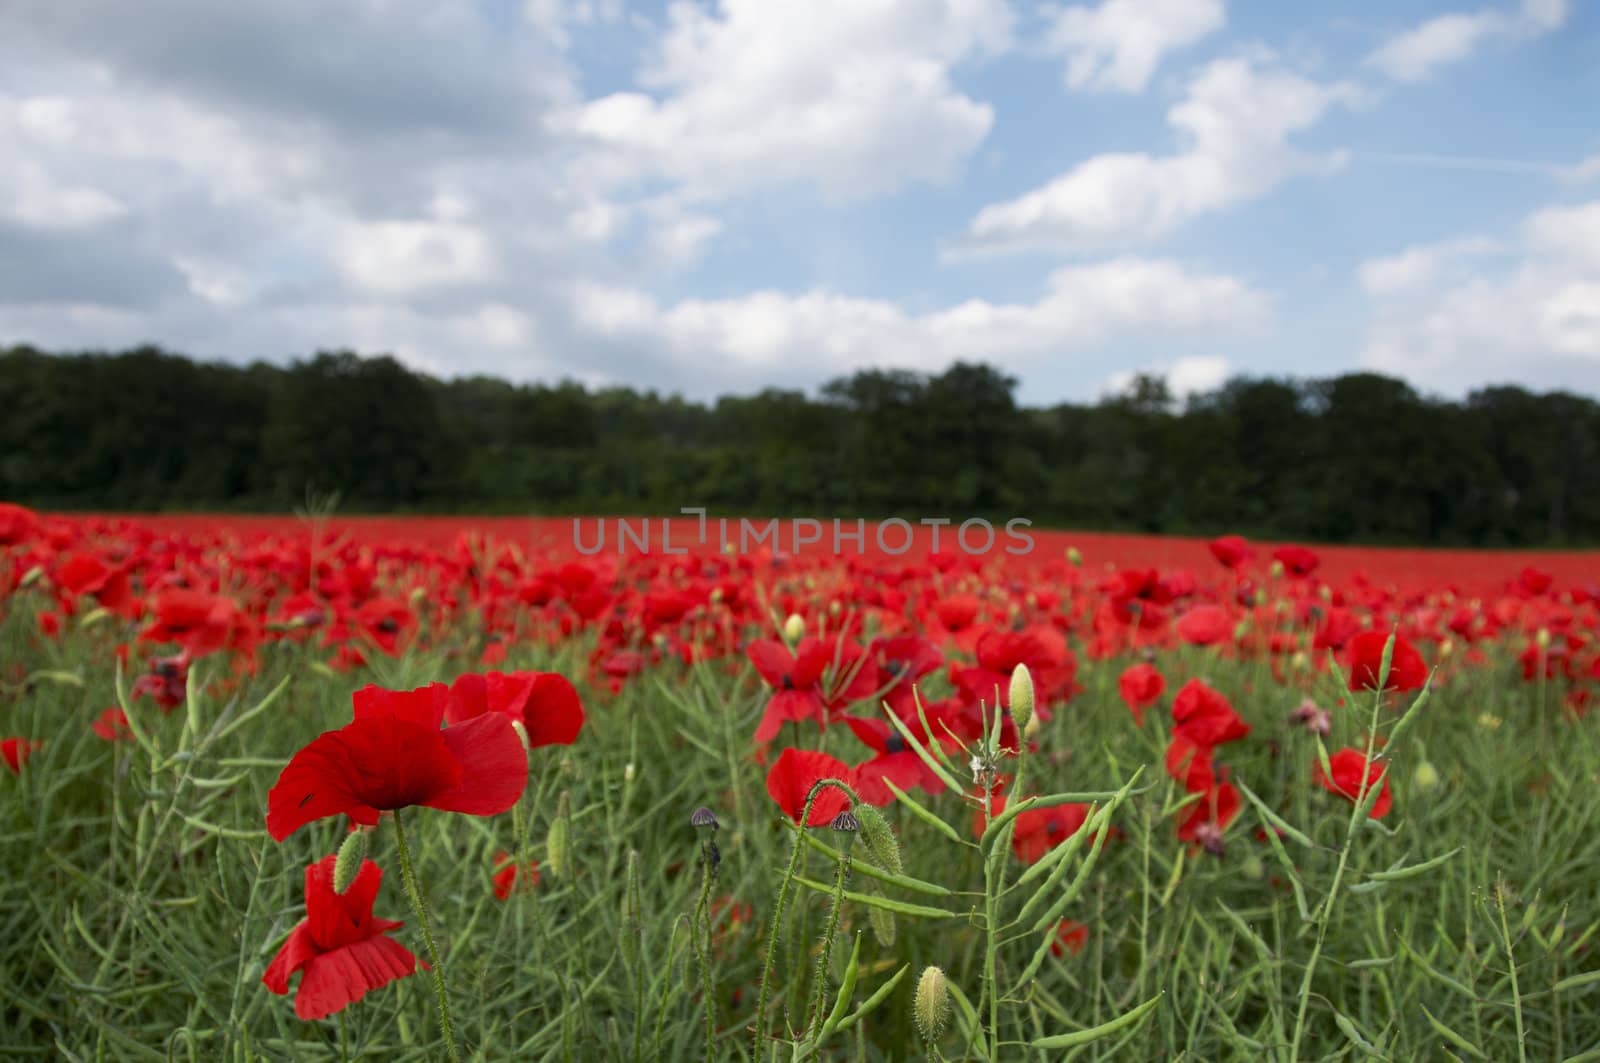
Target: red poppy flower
{"type": "Point", "coordinates": [1296, 560]}
{"type": "Point", "coordinates": [167, 681]}
{"type": "Point", "coordinates": [508, 876]}
{"type": "Point", "coordinates": [546, 704]}
{"type": "Point", "coordinates": [1190, 764]}
{"type": "Point", "coordinates": [795, 679]}
{"type": "Point", "coordinates": [795, 772]}
{"type": "Point", "coordinates": [16, 751]}
{"type": "Point", "coordinates": [1210, 816]}
{"type": "Point", "coordinates": [1042, 648]}
{"type": "Point", "coordinates": [201, 623]}
{"type": "Point", "coordinates": [113, 726]}
{"type": "Point", "coordinates": [392, 755]}
{"type": "Point", "coordinates": [17, 524]}
{"type": "Point", "coordinates": [1231, 551]}
{"type": "Point", "coordinates": [1206, 718]}
{"type": "Point", "coordinates": [1141, 686]}
{"type": "Point", "coordinates": [1205, 625]}
{"type": "Point", "coordinates": [1041, 829]}
{"type": "Point", "coordinates": [1348, 767]}
{"type": "Point", "coordinates": [1364, 657]}
{"type": "Point", "coordinates": [895, 760]}
{"type": "Point", "coordinates": [902, 661]}
{"type": "Point", "coordinates": [340, 948]}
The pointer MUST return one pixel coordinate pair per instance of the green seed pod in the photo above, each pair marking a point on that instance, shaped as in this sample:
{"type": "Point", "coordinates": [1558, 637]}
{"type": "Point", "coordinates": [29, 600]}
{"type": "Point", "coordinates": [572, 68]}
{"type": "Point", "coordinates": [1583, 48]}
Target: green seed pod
{"type": "Point", "coordinates": [1021, 696]}
{"type": "Point", "coordinates": [932, 1007]}
{"type": "Point", "coordinates": [882, 921]}
{"type": "Point", "coordinates": [352, 853]}
{"type": "Point", "coordinates": [556, 843]}
{"type": "Point", "coordinates": [882, 846]}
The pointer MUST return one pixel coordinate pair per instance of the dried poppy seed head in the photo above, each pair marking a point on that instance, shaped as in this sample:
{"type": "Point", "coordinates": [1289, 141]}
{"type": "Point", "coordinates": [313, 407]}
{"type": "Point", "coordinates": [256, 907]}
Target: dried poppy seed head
{"type": "Point", "coordinates": [846, 822]}
{"type": "Point", "coordinates": [703, 817]}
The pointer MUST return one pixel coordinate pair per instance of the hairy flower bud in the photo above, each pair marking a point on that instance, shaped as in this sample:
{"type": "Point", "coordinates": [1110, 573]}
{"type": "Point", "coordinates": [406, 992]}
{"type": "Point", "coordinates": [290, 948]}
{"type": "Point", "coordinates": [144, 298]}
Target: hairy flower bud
{"type": "Point", "coordinates": [794, 628]}
{"type": "Point", "coordinates": [932, 1007]}
{"type": "Point", "coordinates": [1021, 696]}
{"type": "Point", "coordinates": [557, 844]}
{"type": "Point", "coordinates": [882, 846]}
{"type": "Point", "coordinates": [351, 855]}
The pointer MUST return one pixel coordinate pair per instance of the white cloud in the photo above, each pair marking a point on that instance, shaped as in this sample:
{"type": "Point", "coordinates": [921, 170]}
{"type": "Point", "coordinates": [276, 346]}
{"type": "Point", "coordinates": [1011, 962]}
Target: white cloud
{"type": "Point", "coordinates": [1185, 377]}
{"type": "Point", "coordinates": [1537, 322]}
{"type": "Point", "coordinates": [1234, 121]}
{"type": "Point", "coordinates": [851, 96]}
{"type": "Point", "coordinates": [1415, 54]}
{"type": "Point", "coordinates": [1117, 46]}
{"type": "Point", "coordinates": [33, 197]}
{"type": "Point", "coordinates": [797, 335]}
{"type": "Point", "coordinates": [404, 257]}
{"type": "Point", "coordinates": [1418, 265]}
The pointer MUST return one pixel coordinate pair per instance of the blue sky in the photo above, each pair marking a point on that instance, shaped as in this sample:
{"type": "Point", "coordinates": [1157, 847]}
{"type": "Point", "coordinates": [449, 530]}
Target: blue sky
{"type": "Point", "coordinates": [721, 196]}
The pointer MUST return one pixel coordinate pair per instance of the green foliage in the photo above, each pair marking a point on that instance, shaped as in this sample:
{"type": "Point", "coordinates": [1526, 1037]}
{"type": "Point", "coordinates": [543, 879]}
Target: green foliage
{"type": "Point", "coordinates": [140, 899]}
{"type": "Point", "coordinates": [1359, 457]}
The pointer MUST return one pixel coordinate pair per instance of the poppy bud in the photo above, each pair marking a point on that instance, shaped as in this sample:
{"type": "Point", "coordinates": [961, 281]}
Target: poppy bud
{"type": "Point", "coordinates": [632, 912]}
{"type": "Point", "coordinates": [417, 594]}
{"type": "Point", "coordinates": [1075, 558]}
{"type": "Point", "coordinates": [557, 847]}
{"type": "Point", "coordinates": [1031, 731]}
{"type": "Point", "coordinates": [882, 846]}
{"type": "Point", "coordinates": [1021, 695]}
{"type": "Point", "coordinates": [1276, 570]}
{"type": "Point", "coordinates": [351, 856]}
{"type": "Point", "coordinates": [627, 772]}
{"type": "Point", "coordinates": [1542, 638]}
{"type": "Point", "coordinates": [794, 628]}
{"type": "Point", "coordinates": [1253, 868]}
{"type": "Point", "coordinates": [32, 576]}
{"type": "Point", "coordinates": [932, 1007]}
{"type": "Point", "coordinates": [94, 616]}
{"type": "Point", "coordinates": [1425, 777]}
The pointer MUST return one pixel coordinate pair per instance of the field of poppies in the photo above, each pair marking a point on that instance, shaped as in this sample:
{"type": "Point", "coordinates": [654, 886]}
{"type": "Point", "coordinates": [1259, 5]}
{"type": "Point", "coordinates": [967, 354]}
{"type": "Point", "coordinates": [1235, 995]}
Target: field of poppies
{"type": "Point", "coordinates": [313, 788]}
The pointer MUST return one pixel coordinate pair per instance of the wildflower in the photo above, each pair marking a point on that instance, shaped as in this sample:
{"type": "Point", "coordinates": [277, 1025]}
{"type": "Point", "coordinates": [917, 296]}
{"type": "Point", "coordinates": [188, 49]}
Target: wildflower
{"type": "Point", "coordinates": [1364, 657]}
{"type": "Point", "coordinates": [1140, 686]}
{"type": "Point", "coordinates": [1348, 767]}
{"type": "Point", "coordinates": [340, 949]}
{"type": "Point", "coordinates": [393, 755]}
{"type": "Point", "coordinates": [795, 772]}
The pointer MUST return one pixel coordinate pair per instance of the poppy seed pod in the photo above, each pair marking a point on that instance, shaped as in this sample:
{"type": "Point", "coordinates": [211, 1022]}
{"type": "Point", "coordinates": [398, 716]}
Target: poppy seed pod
{"type": "Point", "coordinates": [931, 1009]}
{"type": "Point", "coordinates": [703, 817]}
{"type": "Point", "coordinates": [352, 854]}
{"type": "Point", "coordinates": [845, 823]}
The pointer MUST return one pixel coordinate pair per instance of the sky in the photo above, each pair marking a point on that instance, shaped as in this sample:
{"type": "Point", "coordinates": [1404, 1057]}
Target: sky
{"type": "Point", "coordinates": [718, 196]}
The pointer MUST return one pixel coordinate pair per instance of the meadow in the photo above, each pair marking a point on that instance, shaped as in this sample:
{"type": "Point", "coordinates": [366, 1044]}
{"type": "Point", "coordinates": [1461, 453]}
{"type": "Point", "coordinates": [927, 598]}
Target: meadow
{"type": "Point", "coordinates": [320, 788]}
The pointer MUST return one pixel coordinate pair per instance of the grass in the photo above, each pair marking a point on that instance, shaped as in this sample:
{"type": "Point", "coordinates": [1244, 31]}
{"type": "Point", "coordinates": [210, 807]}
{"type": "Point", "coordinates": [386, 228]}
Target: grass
{"type": "Point", "coordinates": [141, 898]}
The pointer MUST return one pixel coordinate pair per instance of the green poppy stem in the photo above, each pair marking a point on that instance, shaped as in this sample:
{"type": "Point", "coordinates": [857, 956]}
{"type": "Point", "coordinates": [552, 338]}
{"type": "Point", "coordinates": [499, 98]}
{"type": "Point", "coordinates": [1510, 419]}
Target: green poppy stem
{"type": "Point", "coordinates": [410, 877]}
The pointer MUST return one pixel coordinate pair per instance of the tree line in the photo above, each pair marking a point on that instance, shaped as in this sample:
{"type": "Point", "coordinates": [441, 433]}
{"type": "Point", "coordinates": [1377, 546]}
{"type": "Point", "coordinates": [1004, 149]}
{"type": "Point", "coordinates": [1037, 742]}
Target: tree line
{"type": "Point", "coordinates": [1358, 457]}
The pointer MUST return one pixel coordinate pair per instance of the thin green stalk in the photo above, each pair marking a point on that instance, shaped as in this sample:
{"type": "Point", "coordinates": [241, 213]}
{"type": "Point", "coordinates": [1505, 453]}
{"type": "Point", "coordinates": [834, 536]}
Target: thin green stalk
{"type": "Point", "coordinates": [702, 948]}
{"type": "Point", "coordinates": [409, 876]}
{"type": "Point", "coordinates": [1511, 967]}
{"type": "Point", "coordinates": [1357, 810]}
{"type": "Point", "coordinates": [819, 991]}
